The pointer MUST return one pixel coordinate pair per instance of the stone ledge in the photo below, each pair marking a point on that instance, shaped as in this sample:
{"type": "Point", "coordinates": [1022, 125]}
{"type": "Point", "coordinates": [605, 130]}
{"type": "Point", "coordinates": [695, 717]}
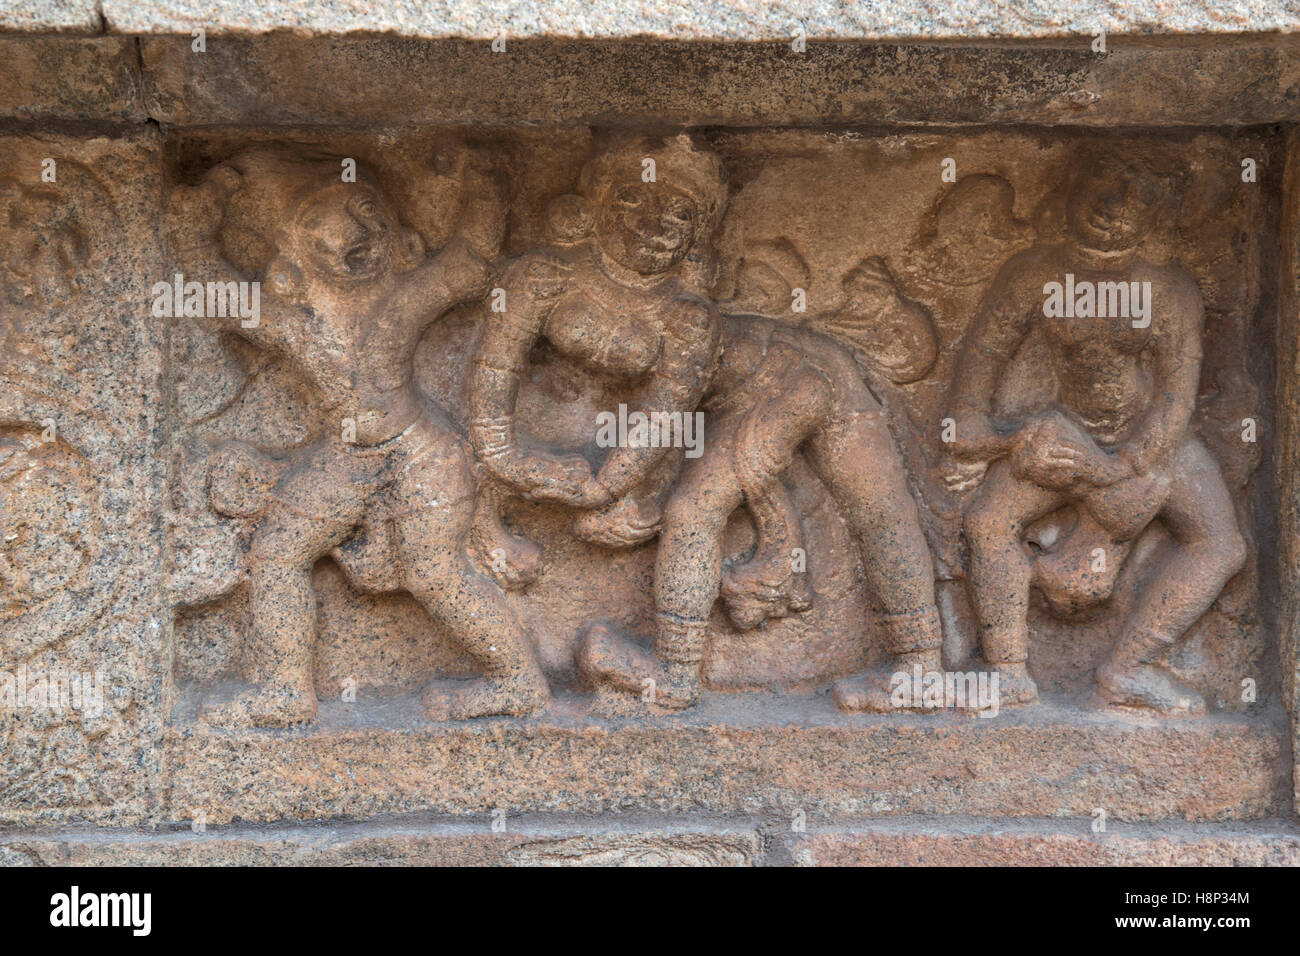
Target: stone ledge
{"type": "Point", "coordinates": [394, 81]}
{"type": "Point", "coordinates": [382, 81]}
{"type": "Point", "coordinates": [646, 839]}
{"type": "Point", "coordinates": [734, 754]}
{"type": "Point", "coordinates": [729, 20]}
{"type": "Point", "coordinates": [418, 841]}
{"type": "Point", "coordinates": [51, 16]}
{"type": "Point", "coordinates": [1041, 843]}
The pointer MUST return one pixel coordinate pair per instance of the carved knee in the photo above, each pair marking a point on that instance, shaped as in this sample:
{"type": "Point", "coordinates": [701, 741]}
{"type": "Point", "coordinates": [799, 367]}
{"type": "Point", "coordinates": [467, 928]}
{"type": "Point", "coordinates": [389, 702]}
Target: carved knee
{"type": "Point", "coordinates": [1230, 555]}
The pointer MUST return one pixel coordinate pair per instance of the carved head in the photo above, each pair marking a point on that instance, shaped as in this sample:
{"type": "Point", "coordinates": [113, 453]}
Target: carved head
{"type": "Point", "coordinates": [1115, 201]}
{"type": "Point", "coordinates": [651, 202]}
{"type": "Point", "coordinates": [45, 248]}
{"type": "Point", "coordinates": [295, 220]}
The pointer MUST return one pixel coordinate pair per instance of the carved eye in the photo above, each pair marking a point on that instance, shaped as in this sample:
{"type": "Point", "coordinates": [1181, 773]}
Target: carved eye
{"type": "Point", "coordinates": [366, 207]}
{"type": "Point", "coordinates": [627, 197]}
{"type": "Point", "coordinates": [681, 213]}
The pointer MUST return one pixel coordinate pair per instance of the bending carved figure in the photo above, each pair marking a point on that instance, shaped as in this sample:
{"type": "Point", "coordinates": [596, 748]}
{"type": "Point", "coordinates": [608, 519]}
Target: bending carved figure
{"type": "Point", "coordinates": [350, 293]}
{"type": "Point", "coordinates": [623, 302]}
{"type": "Point", "coordinates": [1115, 441]}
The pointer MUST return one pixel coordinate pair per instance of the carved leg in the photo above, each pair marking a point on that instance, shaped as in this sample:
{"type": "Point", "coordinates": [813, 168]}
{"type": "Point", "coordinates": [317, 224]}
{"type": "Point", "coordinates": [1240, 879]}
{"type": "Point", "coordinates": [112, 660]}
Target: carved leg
{"type": "Point", "coordinates": [1001, 573]}
{"type": "Point", "coordinates": [688, 573]}
{"type": "Point", "coordinates": [860, 464]}
{"type": "Point", "coordinates": [285, 547]}
{"type": "Point", "coordinates": [688, 570]}
{"type": "Point", "coordinates": [1200, 516]}
{"type": "Point", "coordinates": [439, 575]}
{"type": "Point", "coordinates": [511, 560]}
{"type": "Point", "coordinates": [767, 585]}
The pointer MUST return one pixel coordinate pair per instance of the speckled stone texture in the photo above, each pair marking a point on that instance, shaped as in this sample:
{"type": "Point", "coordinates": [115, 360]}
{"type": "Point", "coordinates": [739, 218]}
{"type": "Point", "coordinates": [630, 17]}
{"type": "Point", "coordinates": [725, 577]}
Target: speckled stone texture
{"type": "Point", "coordinates": [663, 840]}
{"type": "Point", "coordinates": [82, 452]}
{"type": "Point", "coordinates": [140, 452]}
{"type": "Point", "coordinates": [729, 20]}
{"type": "Point", "coordinates": [732, 755]}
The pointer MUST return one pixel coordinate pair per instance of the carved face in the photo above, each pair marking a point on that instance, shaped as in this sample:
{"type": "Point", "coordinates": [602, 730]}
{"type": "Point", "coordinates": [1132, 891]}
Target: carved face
{"type": "Point", "coordinates": [647, 227]}
{"type": "Point", "coordinates": [346, 232]}
{"type": "Point", "coordinates": [1112, 207]}
{"type": "Point", "coordinates": [43, 251]}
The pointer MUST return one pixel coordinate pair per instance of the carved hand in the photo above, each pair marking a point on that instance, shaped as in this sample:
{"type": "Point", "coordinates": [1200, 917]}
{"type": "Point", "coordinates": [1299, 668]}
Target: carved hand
{"type": "Point", "coordinates": [1056, 453]}
{"type": "Point", "coordinates": [539, 277]}
{"type": "Point", "coordinates": [563, 478]}
{"type": "Point", "coordinates": [194, 213]}
{"type": "Point", "coordinates": [974, 438]}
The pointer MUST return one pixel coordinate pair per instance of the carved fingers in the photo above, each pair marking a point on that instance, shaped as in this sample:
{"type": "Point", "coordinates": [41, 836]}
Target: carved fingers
{"type": "Point", "coordinates": [567, 479]}
{"type": "Point", "coordinates": [1055, 453]}
{"type": "Point", "coordinates": [198, 210]}
{"type": "Point", "coordinates": [538, 277]}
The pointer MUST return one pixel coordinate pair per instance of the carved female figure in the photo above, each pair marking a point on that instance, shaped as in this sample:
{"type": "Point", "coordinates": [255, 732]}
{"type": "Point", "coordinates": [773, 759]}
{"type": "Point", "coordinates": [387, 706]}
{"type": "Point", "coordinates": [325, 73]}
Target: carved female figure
{"type": "Point", "coordinates": [624, 300]}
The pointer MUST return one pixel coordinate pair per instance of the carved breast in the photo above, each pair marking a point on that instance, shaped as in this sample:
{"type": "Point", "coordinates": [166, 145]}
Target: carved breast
{"type": "Point", "coordinates": [615, 338]}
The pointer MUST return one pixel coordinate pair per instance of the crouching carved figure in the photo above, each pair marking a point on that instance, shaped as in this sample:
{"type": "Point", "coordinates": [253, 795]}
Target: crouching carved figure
{"type": "Point", "coordinates": [348, 291]}
{"type": "Point", "coordinates": [1123, 339]}
{"type": "Point", "coordinates": [627, 297]}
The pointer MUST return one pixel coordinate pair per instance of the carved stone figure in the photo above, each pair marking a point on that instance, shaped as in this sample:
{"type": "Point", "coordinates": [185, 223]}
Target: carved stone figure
{"type": "Point", "coordinates": [350, 291]}
{"type": "Point", "coordinates": [629, 302]}
{"type": "Point", "coordinates": [1122, 335]}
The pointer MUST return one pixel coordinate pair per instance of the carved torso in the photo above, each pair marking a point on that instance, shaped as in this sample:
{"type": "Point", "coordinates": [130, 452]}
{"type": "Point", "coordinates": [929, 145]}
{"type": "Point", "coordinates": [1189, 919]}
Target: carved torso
{"type": "Point", "coordinates": [1100, 362]}
{"type": "Point", "coordinates": [607, 326]}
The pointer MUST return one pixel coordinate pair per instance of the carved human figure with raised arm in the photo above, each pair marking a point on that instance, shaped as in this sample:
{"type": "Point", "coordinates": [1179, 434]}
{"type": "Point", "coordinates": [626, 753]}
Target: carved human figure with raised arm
{"type": "Point", "coordinates": [349, 292]}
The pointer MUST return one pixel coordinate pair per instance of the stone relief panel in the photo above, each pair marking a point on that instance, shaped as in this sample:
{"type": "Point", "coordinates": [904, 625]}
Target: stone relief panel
{"type": "Point", "coordinates": [85, 626]}
{"type": "Point", "coordinates": [626, 419]}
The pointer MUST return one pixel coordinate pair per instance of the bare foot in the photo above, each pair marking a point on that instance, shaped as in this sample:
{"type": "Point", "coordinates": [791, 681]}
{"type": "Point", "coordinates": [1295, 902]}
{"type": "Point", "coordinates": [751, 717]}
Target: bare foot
{"type": "Point", "coordinates": [485, 697]}
{"type": "Point", "coordinates": [1015, 687]}
{"type": "Point", "coordinates": [271, 706]}
{"type": "Point", "coordinates": [608, 659]}
{"type": "Point", "coordinates": [870, 692]}
{"type": "Point", "coordinates": [1148, 687]}
{"type": "Point", "coordinates": [757, 591]}
{"type": "Point", "coordinates": [875, 691]}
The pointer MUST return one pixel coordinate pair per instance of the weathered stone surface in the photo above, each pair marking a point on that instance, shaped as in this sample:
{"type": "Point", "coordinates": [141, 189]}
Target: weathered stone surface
{"type": "Point", "coordinates": [1044, 843]}
{"type": "Point", "coordinates": [65, 79]}
{"type": "Point", "coordinates": [554, 840]}
{"type": "Point", "coordinates": [391, 81]}
{"type": "Point", "coordinates": [51, 16]}
{"type": "Point", "coordinates": [732, 754]}
{"type": "Point", "coordinates": [85, 624]}
{"type": "Point", "coordinates": [750, 20]}
{"type": "Point", "coordinates": [317, 359]}
{"type": "Point", "coordinates": [650, 840]}
{"type": "Point", "coordinates": [1288, 453]}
